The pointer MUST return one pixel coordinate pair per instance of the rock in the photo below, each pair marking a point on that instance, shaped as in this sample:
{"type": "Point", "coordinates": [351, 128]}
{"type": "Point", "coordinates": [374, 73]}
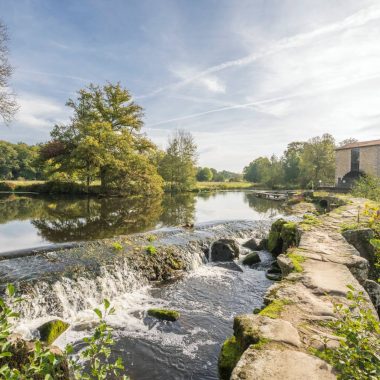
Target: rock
{"type": "Point", "coordinates": [251, 258]}
{"type": "Point", "coordinates": [373, 290]}
{"type": "Point", "coordinates": [230, 266]}
{"type": "Point", "coordinates": [282, 235]}
{"type": "Point", "coordinates": [274, 272]}
{"type": "Point", "coordinates": [263, 245]}
{"type": "Point", "coordinates": [228, 357]}
{"type": "Point", "coordinates": [281, 365]}
{"type": "Point", "coordinates": [360, 239]}
{"type": "Point", "coordinates": [252, 244]}
{"type": "Point", "coordinates": [22, 350]}
{"type": "Point", "coordinates": [251, 328]}
{"type": "Point", "coordinates": [224, 250]}
{"type": "Point", "coordinates": [51, 330]}
{"type": "Point", "coordinates": [164, 314]}
{"type": "Point", "coordinates": [285, 265]}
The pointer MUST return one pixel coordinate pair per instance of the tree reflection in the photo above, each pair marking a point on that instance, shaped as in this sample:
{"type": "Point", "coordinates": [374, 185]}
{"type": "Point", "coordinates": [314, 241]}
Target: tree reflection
{"type": "Point", "coordinates": [178, 209]}
{"type": "Point", "coordinates": [262, 205]}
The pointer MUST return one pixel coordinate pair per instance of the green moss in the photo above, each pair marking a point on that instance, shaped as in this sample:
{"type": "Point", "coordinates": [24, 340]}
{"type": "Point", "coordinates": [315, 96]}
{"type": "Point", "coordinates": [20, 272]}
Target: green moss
{"type": "Point", "coordinates": [297, 260]}
{"type": "Point", "coordinates": [51, 330]}
{"type": "Point", "coordinates": [164, 314]}
{"type": "Point", "coordinates": [260, 344]}
{"type": "Point", "coordinates": [309, 220]}
{"type": "Point", "coordinates": [228, 357]}
{"type": "Point", "coordinates": [117, 246]}
{"type": "Point", "coordinates": [350, 226]}
{"type": "Point", "coordinates": [274, 238]}
{"type": "Point", "coordinates": [274, 309]}
{"type": "Point", "coordinates": [151, 249]}
{"type": "Point", "coordinates": [289, 235]}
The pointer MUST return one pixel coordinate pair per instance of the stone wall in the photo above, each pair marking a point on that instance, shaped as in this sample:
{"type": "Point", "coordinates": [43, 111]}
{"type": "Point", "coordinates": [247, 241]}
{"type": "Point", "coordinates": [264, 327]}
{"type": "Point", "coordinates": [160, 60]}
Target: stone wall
{"type": "Point", "coordinates": [342, 163]}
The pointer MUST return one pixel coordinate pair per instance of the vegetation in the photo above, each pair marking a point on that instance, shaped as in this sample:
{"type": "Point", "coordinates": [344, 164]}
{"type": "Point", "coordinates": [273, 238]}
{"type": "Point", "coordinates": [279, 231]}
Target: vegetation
{"type": "Point", "coordinates": [92, 363]}
{"type": "Point", "coordinates": [303, 164]}
{"type": "Point", "coordinates": [228, 358]}
{"type": "Point", "coordinates": [177, 165]}
{"type": "Point", "coordinates": [8, 105]}
{"type": "Point", "coordinates": [367, 187]}
{"type": "Point", "coordinates": [212, 186]}
{"type": "Point", "coordinates": [210, 174]}
{"type": "Point", "coordinates": [297, 261]}
{"type": "Point", "coordinates": [164, 314]}
{"type": "Point", "coordinates": [51, 330]}
{"type": "Point", "coordinates": [103, 142]}
{"type": "Point", "coordinates": [358, 330]}
{"type": "Point", "coordinates": [274, 309]}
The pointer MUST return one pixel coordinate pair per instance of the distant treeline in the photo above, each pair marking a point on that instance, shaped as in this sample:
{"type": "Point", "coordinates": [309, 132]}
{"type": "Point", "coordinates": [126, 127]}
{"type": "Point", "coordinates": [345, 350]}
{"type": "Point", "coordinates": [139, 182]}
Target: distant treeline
{"type": "Point", "coordinates": [303, 164]}
{"type": "Point", "coordinates": [212, 175]}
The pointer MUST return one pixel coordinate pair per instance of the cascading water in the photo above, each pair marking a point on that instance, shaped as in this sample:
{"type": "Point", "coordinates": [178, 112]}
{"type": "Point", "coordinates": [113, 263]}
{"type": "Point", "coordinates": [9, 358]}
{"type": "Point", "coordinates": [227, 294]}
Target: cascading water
{"type": "Point", "coordinates": [70, 283]}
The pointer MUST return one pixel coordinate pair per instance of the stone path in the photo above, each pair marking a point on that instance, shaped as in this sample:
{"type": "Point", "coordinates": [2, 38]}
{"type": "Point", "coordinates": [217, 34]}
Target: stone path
{"type": "Point", "coordinates": [305, 299]}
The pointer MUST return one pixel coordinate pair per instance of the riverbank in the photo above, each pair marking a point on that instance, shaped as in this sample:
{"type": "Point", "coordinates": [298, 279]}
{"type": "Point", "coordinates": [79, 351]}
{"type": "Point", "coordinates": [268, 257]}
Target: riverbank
{"type": "Point", "coordinates": [286, 338]}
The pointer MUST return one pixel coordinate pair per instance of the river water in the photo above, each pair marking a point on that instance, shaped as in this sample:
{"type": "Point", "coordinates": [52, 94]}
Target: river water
{"type": "Point", "coordinates": [208, 297]}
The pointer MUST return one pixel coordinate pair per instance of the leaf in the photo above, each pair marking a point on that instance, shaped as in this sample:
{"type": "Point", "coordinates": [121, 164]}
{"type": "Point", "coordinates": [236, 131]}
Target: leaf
{"type": "Point", "coordinates": [98, 313]}
{"type": "Point", "coordinates": [10, 290]}
{"type": "Point", "coordinates": [106, 303]}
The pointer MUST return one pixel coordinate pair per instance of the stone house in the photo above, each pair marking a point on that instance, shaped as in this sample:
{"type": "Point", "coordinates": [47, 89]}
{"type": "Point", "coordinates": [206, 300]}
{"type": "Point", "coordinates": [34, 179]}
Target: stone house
{"type": "Point", "coordinates": [355, 159]}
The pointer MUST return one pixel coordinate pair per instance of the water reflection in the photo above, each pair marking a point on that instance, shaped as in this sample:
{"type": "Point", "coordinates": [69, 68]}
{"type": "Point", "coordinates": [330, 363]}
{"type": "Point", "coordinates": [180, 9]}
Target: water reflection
{"type": "Point", "coordinates": [30, 221]}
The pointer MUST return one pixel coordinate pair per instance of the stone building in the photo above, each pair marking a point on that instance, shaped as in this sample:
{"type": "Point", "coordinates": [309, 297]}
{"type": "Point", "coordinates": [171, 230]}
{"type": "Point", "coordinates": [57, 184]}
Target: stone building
{"type": "Point", "coordinates": [355, 159]}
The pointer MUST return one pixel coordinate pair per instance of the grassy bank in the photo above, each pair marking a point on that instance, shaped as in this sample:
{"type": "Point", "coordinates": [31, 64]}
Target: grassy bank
{"type": "Point", "coordinates": [212, 186]}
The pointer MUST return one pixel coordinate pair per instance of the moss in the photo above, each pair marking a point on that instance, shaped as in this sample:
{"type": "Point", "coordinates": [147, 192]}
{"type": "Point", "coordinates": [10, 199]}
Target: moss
{"type": "Point", "coordinates": [164, 314]}
{"type": "Point", "coordinates": [274, 309]}
{"type": "Point", "coordinates": [289, 235]}
{"type": "Point", "coordinates": [274, 239]}
{"type": "Point", "coordinates": [350, 226]}
{"type": "Point", "coordinates": [51, 330]}
{"type": "Point", "coordinates": [228, 357]}
{"type": "Point", "coordinates": [151, 249]}
{"type": "Point", "coordinates": [297, 260]}
{"type": "Point", "coordinates": [245, 331]}
{"type": "Point", "coordinates": [117, 246]}
{"type": "Point", "coordinates": [260, 344]}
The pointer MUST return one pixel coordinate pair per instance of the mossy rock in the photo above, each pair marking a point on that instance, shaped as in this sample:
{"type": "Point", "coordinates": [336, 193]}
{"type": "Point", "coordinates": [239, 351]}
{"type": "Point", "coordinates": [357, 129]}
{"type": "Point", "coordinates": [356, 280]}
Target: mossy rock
{"type": "Point", "coordinates": [251, 258]}
{"type": "Point", "coordinates": [274, 309]}
{"type": "Point", "coordinates": [245, 331]}
{"type": "Point", "coordinates": [164, 314]}
{"type": "Point", "coordinates": [275, 241]}
{"type": "Point", "coordinates": [228, 357]}
{"type": "Point", "coordinates": [51, 330]}
{"type": "Point", "coordinates": [289, 235]}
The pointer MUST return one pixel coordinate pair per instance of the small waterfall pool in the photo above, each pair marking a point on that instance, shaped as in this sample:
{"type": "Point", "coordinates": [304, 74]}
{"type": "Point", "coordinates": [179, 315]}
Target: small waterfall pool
{"type": "Point", "coordinates": [208, 298]}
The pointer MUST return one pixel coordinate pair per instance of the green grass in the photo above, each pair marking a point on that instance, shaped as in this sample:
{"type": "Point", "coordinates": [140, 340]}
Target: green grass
{"type": "Point", "coordinates": [209, 186]}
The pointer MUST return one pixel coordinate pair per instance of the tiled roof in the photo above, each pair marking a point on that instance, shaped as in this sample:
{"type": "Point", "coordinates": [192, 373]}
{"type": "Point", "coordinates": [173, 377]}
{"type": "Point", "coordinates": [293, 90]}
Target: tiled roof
{"type": "Point", "coordinates": [359, 144]}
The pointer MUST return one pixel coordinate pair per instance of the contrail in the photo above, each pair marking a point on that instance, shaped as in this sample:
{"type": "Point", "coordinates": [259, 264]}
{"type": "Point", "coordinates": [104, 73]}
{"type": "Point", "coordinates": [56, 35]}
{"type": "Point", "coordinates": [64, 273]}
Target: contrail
{"type": "Point", "coordinates": [330, 87]}
{"type": "Point", "coordinates": [357, 19]}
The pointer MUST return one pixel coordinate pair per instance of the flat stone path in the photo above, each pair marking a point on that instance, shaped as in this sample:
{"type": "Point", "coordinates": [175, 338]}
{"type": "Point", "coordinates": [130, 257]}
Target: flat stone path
{"type": "Point", "coordinates": [308, 297]}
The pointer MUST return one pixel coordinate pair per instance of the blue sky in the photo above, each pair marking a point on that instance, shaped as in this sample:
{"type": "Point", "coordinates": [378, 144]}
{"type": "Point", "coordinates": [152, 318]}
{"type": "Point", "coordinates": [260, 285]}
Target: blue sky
{"type": "Point", "coordinates": [244, 77]}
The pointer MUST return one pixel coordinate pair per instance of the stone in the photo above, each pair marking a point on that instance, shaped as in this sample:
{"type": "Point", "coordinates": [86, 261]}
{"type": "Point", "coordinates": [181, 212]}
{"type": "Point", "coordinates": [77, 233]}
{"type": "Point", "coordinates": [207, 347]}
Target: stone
{"type": "Point", "coordinates": [285, 265]}
{"type": "Point", "coordinates": [164, 314]}
{"type": "Point", "coordinates": [263, 245]}
{"type": "Point", "coordinates": [51, 330]}
{"type": "Point", "coordinates": [224, 250]}
{"type": "Point", "coordinates": [252, 244]}
{"type": "Point", "coordinates": [228, 357]}
{"type": "Point", "coordinates": [281, 365]}
{"type": "Point", "coordinates": [274, 272]}
{"type": "Point", "coordinates": [373, 290]}
{"type": "Point", "coordinates": [251, 258]}
{"type": "Point", "coordinates": [274, 239]}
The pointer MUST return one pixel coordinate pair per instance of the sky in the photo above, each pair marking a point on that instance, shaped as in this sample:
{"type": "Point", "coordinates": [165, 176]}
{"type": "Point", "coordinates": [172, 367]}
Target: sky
{"type": "Point", "coordinates": [245, 77]}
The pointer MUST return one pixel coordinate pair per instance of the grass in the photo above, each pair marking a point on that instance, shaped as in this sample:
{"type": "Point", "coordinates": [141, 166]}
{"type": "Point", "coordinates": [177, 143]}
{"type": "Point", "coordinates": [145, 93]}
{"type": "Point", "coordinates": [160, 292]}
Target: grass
{"type": "Point", "coordinates": [209, 186]}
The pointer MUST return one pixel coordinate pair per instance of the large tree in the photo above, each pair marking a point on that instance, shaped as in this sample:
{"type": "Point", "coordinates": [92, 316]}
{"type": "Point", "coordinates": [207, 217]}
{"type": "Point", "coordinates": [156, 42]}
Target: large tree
{"type": "Point", "coordinates": [177, 167]}
{"type": "Point", "coordinates": [8, 105]}
{"type": "Point", "coordinates": [104, 142]}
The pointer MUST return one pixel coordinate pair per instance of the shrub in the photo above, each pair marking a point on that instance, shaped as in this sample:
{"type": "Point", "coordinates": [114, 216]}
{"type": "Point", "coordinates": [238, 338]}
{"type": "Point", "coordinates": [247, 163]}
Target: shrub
{"type": "Point", "coordinates": [367, 187]}
{"type": "Point", "coordinates": [358, 330]}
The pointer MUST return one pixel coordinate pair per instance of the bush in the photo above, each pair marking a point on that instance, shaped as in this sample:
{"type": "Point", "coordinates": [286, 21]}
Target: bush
{"type": "Point", "coordinates": [367, 187]}
{"type": "Point", "coordinates": [358, 330]}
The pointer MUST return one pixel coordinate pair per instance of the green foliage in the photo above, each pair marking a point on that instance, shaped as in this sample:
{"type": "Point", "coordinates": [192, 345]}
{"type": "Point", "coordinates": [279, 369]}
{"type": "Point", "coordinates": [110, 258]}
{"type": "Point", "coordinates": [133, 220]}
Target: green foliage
{"type": "Point", "coordinates": [97, 352]}
{"type": "Point", "coordinates": [349, 226]}
{"type": "Point", "coordinates": [151, 238]}
{"type": "Point", "coordinates": [177, 166]}
{"type": "Point", "coordinates": [302, 163]}
{"type": "Point", "coordinates": [367, 187]}
{"type": "Point", "coordinates": [92, 363]}
{"type": "Point", "coordinates": [204, 174]}
{"type": "Point", "coordinates": [228, 357]}
{"type": "Point", "coordinates": [103, 142]}
{"type": "Point", "coordinates": [151, 249]}
{"type": "Point", "coordinates": [164, 314]}
{"type": "Point", "coordinates": [358, 330]}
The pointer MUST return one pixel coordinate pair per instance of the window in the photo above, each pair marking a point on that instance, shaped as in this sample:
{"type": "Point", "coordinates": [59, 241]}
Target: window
{"type": "Point", "coordinates": [355, 159]}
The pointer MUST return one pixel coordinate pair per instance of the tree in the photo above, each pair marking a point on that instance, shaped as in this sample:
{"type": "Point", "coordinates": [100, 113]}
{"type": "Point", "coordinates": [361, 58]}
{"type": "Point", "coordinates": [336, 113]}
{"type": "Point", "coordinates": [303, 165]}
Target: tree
{"type": "Point", "coordinates": [348, 141]}
{"type": "Point", "coordinates": [8, 105]}
{"type": "Point", "coordinates": [177, 167]}
{"type": "Point", "coordinates": [204, 175]}
{"type": "Point", "coordinates": [318, 160]}
{"type": "Point", "coordinates": [292, 161]}
{"type": "Point", "coordinates": [257, 170]}
{"type": "Point", "coordinates": [103, 142]}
